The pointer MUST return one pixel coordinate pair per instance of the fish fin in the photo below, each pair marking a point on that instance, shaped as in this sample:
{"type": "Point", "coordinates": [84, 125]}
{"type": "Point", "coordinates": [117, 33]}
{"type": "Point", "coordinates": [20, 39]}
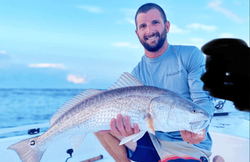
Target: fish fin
{"type": "Point", "coordinates": [150, 122]}
{"type": "Point", "coordinates": [72, 102]}
{"type": "Point", "coordinates": [134, 137]}
{"type": "Point", "coordinates": [77, 141]}
{"type": "Point", "coordinates": [126, 80]}
{"type": "Point", "coordinates": [28, 150]}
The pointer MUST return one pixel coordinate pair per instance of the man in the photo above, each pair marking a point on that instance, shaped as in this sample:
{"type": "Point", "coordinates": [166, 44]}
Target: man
{"type": "Point", "coordinates": [176, 68]}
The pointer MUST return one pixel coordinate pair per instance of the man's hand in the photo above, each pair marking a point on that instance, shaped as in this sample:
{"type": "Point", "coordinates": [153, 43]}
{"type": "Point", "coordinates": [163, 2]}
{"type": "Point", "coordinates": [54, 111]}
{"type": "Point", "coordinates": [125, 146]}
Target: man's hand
{"type": "Point", "coordinates": [193, 138]}
{"type": "Point", "coordinates": [122, 129]}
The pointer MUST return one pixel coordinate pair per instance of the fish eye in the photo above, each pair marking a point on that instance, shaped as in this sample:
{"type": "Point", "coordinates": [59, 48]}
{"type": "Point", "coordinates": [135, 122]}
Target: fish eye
{"type": "Point", "coordinates": [193, 111]}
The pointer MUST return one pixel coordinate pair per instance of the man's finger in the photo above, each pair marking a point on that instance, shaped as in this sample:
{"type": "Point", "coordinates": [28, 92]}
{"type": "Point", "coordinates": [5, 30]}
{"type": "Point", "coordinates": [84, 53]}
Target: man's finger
{"type": "Point", "coordinates": [120, 125]}
{"type": "Point", "coordinates": [128, 125]}
{"type": "Point", "coordinates": [199, 137]}
{"type": "Point", "coordinates": [104, 131]}
{"type": "Point", "coordinates": [114, 128]}
{"type": "Point", "coordinates": [195, 139]}
{"type": "Point", "coordinates": [192, 138]}
{"type": "Point", "coordinates": [136, 128]}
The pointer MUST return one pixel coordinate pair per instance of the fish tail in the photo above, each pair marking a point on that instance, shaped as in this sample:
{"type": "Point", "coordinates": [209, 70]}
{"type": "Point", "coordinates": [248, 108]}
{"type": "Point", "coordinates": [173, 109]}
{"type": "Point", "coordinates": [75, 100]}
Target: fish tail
{"type": "Point", "coordinates": [28, 150]}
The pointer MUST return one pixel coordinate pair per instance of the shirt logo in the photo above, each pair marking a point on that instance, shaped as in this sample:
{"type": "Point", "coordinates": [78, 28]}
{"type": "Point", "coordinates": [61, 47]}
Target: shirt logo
{"type": "Point", "coordinates": [172, 74]}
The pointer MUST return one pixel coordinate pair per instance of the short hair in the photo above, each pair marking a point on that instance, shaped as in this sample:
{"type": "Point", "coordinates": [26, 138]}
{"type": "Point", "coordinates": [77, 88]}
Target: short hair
{"type": "Point", "coordinates": [148, 6]}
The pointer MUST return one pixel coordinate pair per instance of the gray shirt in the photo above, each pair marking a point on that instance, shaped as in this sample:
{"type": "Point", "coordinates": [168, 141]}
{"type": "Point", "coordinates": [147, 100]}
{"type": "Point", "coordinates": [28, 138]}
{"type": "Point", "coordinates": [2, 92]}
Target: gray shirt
{"type": "Point", "coordinates": [178, 69]}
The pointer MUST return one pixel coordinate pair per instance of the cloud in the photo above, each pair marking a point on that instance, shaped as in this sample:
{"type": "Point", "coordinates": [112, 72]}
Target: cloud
{"type": "Point", "coordinates": [126, 20]}
{"type": "Point", "coordinates": [175, 29]}
{"type": "Point", "coordinates": [128, 11]}
{"type": "Point", "coordinates": [197, 26]}
{"type": "Point", "coordinates": [197, 40]}
{"type": "Point", "coordinates": [125, 44]}
{"type": "Point", "coordinates": [47, 65]}
{"type": "Point", "coordinates": [129, 16]}
{"type": "Point", "coordinates": [129, 20]}
{"type": "Point", "coordinates": [217, 6]}
{"type": "Point", "coordinates": [5, 57]}
{"type": "Point", "coordinates": [76, 79]}
{"type": "Point", "coordinates": [226, 35]}
{"type": "Point", "coordinates": [92, 9]}
{"type": "Point", "coordinates": [3, 52]}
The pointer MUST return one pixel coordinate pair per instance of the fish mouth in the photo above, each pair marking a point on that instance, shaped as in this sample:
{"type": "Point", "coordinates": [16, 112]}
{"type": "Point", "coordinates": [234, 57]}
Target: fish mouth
{"type": "Point", "coordinates": [199, 125]}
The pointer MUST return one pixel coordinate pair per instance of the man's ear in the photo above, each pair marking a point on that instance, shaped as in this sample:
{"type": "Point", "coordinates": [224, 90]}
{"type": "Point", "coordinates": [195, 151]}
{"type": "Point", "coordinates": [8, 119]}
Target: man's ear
{"type": "Point", "coordinates": [167, 26]}
{"type": "Point", "coordinates": [136, 32]}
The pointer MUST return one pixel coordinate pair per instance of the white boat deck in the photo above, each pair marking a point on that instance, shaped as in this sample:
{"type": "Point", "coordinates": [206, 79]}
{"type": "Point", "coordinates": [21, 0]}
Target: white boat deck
{"type": "Point", "coordinates": [57, 151]}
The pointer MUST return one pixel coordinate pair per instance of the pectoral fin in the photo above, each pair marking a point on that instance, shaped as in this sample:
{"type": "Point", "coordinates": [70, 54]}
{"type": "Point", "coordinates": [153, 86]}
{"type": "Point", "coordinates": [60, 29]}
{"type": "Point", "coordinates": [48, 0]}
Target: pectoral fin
{"type": "Point", "coordinates": [134, 137]}
{"type": "Point", "coordinates": [150, 122]}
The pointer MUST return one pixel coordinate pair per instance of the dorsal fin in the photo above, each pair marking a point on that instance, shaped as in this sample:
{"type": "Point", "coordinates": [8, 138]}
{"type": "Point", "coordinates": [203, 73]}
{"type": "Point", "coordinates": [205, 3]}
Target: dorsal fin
{"type": "Point", "coordinates": [126, 80]}
{"type": "Point", "coordinates": [72, 102]}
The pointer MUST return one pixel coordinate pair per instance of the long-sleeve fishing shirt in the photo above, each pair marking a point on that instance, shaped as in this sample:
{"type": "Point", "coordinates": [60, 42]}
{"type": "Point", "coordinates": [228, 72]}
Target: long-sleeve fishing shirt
{"type": "Point", "coordinates": [178, 69]}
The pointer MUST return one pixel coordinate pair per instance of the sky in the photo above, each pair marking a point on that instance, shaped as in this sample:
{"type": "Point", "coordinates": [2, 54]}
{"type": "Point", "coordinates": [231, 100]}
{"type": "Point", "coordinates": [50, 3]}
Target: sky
{"type": "Point", "coordinates": [89, 44]}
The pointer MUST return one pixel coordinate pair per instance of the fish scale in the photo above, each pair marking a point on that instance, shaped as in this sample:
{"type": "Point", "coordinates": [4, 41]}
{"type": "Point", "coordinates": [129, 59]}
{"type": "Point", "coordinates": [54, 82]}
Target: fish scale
{"type": "Point", "coordinates": [92, 110]}
{"type": "Point", "coordinates": [118, 104]}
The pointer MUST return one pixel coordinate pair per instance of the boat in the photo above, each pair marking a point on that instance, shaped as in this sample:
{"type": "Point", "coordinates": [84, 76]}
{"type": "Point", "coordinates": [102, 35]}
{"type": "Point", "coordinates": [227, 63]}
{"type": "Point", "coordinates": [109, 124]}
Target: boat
{"type": "Point", "coordinates": [230, 135]}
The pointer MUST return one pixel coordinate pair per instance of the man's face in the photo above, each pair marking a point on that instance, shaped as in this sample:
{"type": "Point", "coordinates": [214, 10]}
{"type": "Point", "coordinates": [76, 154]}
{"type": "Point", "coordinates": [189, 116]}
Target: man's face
{"type": "Point", "coordinates": [151, 30]}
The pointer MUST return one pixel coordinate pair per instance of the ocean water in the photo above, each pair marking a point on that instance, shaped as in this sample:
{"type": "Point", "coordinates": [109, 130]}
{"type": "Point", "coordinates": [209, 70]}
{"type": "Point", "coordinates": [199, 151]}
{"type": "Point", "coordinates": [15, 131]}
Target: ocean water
{"type": "Point", "coordinates": [21, 107]}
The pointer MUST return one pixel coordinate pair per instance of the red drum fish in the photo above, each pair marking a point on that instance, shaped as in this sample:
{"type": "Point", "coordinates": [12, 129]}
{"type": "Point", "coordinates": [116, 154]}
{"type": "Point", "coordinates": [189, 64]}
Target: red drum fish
{"type": "Point", "coordinates": [152, 108]}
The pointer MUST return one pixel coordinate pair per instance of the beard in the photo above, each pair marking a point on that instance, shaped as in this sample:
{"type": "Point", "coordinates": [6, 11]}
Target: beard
{"type": "Point", "coordinates": [158, 45]}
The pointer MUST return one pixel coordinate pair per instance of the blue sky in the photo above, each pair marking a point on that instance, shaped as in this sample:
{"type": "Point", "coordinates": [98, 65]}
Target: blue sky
{"type": "Point", "coordinates": [89, 44]}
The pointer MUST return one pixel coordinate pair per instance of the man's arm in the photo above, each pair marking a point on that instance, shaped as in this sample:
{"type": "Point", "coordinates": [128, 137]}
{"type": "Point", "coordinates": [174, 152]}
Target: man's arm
{"type": "Point", "coordinates": [195, 66]}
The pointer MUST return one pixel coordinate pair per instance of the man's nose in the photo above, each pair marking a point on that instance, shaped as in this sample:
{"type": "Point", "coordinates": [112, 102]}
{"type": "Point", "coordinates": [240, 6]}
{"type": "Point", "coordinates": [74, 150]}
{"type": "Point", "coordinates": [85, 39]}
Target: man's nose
{"type": "Point", "coordinates": [149, 30]}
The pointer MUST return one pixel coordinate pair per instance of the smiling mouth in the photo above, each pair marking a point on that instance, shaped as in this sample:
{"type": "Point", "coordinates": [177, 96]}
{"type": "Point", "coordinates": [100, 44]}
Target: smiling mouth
{"type": "Point", "coordinates": [152, 37]}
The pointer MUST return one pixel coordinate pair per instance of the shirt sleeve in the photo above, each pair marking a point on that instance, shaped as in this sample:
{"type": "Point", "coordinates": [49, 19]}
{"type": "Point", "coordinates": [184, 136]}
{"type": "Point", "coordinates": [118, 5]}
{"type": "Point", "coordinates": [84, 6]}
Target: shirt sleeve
{"type": "Point", "coordinates": [195, 66]}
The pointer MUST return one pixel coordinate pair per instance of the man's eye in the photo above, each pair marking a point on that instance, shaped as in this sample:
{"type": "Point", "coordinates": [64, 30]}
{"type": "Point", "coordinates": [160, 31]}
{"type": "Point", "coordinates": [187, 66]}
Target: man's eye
{"type": "Point", "coordinates": [142, 26]}
{"type": "Point", "coordinates": [155, 22]}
